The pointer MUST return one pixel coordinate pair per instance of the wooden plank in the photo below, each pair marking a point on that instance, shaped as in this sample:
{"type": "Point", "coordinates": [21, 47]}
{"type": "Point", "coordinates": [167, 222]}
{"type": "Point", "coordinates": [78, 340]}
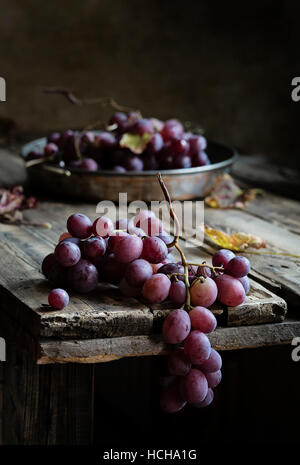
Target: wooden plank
{"type": "Point", "coordinates": [106, 350]}
{"type": "Point", "coordinates": [47, 405]}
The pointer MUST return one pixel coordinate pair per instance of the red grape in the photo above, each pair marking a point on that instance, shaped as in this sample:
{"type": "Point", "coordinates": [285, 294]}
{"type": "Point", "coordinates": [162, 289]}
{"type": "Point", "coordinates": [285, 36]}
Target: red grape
{"type": "Point", "coordinates": [178, 363]}
{"type": "Point", "coordinates": [143, 126]}
{"type": "Point", "coordinates": [194, 387]}
{"type": "Point", "coordinates": [50, 150]}
{"type": "Point", "coordinates": [93, 249]}
{"type": "Point", "coordinates": [120, 119]}
{"type": "Point", "coordinates": [222, 257]}
{"type": "Point", "coordinates": [203, 319]}
{"type": "Point", "coordinates": [156, 289]}
{"type": "Point", "coordinates": [238, 267]}
{"type": "Point", "coordinates": [207, 401]}
{"type": "Point", "coordinates": [67, 253]}
{"type": "Point", "coordinates": [106, 141]}
{"type": "Point", "coordinates": [48, 263]}
{"type": "Point", "coordinates": [111, 271]}
{"type": "Point", "coordinates": [213, 363]}
{"type": "Point", "coordinates": [196, 144]}
{"type": "Point", "coordinates": [204, 271]}
{"type": "Point", "coordinates": [129, 248]}
{"type": "Point", "coordinates": [172, 129]}
{"type": "Point", "coordinates": [154, 249]}
{"type": "Point", "coordinates": [103, 226]}
{"type": "Point", "coordinates": [79, 225]}
{"type": "Point", "coordinates": [177, 293]}
{"type": "Point", "coordinates": [155, 144]}
{"type": "Point", "coordinates": [200, 159]}
{"type": "Point", "coordinates": [176, 326]}
{"type": "Point", "coordinates": [132, 163]}
{"type": "Point", "coordinates": [213, 379]}
{"type": "Point", "coordinates": [167, 239]}
{"type": "Point", "coordinates": [115, 238]}
{"type": "Point", "coordinates": [171, 400]}
{"type": "Point", "coordinates": [245, 283]}
{"type": "Point", "coordinates": [197, 347]}
{"type": "Point", "coordinates": [83, 277]}
{"type": "Point", "coordinates": [58, 298]}
{"type": "Point", "coordinates": [204, 293]}
{"type": "Point", "coordinates": [137, 272]}
{"type": "Point", "coordinates": [230, 290]}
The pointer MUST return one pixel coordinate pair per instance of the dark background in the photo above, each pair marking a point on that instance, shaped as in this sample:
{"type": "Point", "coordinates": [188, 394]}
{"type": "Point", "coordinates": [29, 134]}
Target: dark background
{"type": "Point", "coordinates": [225, 65]}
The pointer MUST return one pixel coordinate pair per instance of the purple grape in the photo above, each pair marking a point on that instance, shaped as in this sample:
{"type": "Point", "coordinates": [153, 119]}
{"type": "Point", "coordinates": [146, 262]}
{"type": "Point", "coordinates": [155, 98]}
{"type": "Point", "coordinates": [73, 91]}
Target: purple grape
{"type": "Point", "coordinates": [79, 225]}
{"type": "Point", "coordinates": [179, 147]}
{"type": "Point", "coordinates": [111, 271]}
{"type": "Point", "coordinates": [156, 289]}
{"type": "Point", "coordinates": [115, 238]}
{"type": "Point", "coordinates": [196, 144]}
{"type": "Point", "coordinates": [222, 257]}
{"type": "Point", "coordinates": [132, 163]}
{"type": "Point", "coordinates": [143, 126]}
{"type": "Point", "coordinates": [178, 363]}
{"type": "Point", "coordinates": [88, 164]}
{"type": "Point", "coordinates": [182, 161]}
{"type": "Point", "coordinates": [230, 290]}
{"type": "Point", "coordinates": [207, 401]}
{"type": "Point", "coordinates": [167, 240]}
{"type": "Point", "coordinates": [129, 248]}
{"type": "Point", "coordinates": [245, 283]}
{"type": "Point", "coordinates": [119, 169]}
{"type": "Point", "coordinates": [106, 141]}
{"type": "Point", "coordinates": [172, 129]}
{"type": "Point", "coordinates": [65, 137]}
{"type": "Point", "coordinates": [137, 272]}
{"type": "Point", "coordinates": [147, 221]}
{"type": "Point", "coordinates": [176, 326]}
{"type": "Point", "coordinates": [213, 379]}
{"type": "Point", "coordinates": [50, 150]}
{"type": "Point", "coordinates": [171, 400]}
{"type": "Point", "coordinates": [197, 347]}
{"type": "Point", "coordinates": [204, 271]}
{"type": "Point", "coordinates": [170, 268]}
{"type": "Point", "coordinates": [48, 263]}
{"type": "Point", "coordinates": [154, 249]}
{"type": "Point", "coordinates": [200, 159]}
{"type": "Point", "coordinates": [204, 293]}
{"type": "Point", "coordinates": [103, 226]}
{"type": "Point", "coordinates": [194, 386]}
{"type": "Point", "coordinates": [87, 137]}
{"type": "Point", "coordinates": [67, 253]}
{"type": "Point", "coordinates": [120, 119]}
{"type": "Point", "coordinates": [150, 162]}
{"type": "Point", "coordinates": [213, 363]}
{"type": "Point", "coordinates": [58, 298]}
{"type": "Point", "coordinates": [177, 293]}
{"type": "Point", "coordinates": [155, 144]}
{"type": "Point", "coordinates": [54, 137]}
{"type": "Point", "coordinates": [165, 159]}
{"type": "Point", "coordinates": [238, 267]}
{"type": "Point", "coordinates": [83, 277]}
{"type": "Point", "coordinates": [57, 275]}
{"type": "Point", "coordinates": [203, 319]}
{"type": "Point", "coordinates": [93, 249]}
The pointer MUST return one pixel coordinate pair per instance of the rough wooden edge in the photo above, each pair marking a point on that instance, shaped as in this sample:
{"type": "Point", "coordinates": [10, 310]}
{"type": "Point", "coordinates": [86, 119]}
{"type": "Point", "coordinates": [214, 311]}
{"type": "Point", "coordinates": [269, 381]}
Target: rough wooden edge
{"type": "Point", "coordinates": [106, 350]}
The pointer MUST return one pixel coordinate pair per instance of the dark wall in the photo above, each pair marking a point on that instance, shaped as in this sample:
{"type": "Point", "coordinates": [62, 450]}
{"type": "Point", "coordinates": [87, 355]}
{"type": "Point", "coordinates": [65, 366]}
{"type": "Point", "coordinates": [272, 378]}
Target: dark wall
{"type": "Point", "coordinates": [225, 65]}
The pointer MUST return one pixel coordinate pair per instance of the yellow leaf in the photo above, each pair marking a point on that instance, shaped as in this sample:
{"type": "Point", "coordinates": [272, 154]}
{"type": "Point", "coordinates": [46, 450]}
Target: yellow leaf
{"type": "Point", "coordinates": [238, 242]}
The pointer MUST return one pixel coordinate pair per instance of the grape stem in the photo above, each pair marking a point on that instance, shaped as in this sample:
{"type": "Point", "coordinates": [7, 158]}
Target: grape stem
{"type": "Point", "coordinates": [211, 267]}
{"type": "Point", "coordinates": [174, 243]}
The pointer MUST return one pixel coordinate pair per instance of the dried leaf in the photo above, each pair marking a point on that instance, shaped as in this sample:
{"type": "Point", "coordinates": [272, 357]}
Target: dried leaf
{"type": "Point", "coordinates": [135, 142]}
{"type": "Point", "coordinates": [238, 242]}
{"type": "Point", "coordinates": [12, 203]}
{"type": "Point", "coordinates": [225, 193]}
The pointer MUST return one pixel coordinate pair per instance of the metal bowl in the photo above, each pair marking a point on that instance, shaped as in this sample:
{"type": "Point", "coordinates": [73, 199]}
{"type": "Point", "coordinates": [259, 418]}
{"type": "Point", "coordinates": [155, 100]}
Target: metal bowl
{"type": "Point", "coordinates": [183, 184]}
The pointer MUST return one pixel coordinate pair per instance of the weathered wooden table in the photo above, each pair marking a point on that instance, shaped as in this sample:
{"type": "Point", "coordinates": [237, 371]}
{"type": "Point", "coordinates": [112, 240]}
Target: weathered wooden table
{"type": "Point", "coordinates": [52, 356]}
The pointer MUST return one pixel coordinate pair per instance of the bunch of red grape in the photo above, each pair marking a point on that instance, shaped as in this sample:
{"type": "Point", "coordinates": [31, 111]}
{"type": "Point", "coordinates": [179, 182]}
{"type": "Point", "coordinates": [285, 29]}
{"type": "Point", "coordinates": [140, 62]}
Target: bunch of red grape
{"type": "Point", "coordinates": [166, 146]}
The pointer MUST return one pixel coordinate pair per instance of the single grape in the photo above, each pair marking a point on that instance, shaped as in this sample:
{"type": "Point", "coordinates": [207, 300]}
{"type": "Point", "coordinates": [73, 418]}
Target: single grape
{"type": "Point", "coordinates": [64, 138]}
{"type": "Point", "coordinates": [129, 248]}
{"type": "Point", "coordinates": [179, 147]}
{"type": "Point", "coordinates": [204, 293]}
{"type": "Point", "coordinates": [119, 169]}
{"type": "Point", "coordinates": [177, 293]}
{"type": "Point", "coordinates": [155, 144]}
{"type": "Point", "coordinates": [106, 141]}
{"type": "Point", "coordinates": [50, 150]}
{"type": "Point", "coordinates": [176, 326]}
{"type": "Point", "coordinates": [137, 272]}
{"type": "Point", "coordinates": [203, 319]}
{"type": "Point", "coordinates": [83, 277]}
{"type": "Point", "coordinates": [115, 238]}
{"type": "Point", "coordinates": [75, 240]}
{"type": "Point", "coordinates": [213, 363]}
{"type": "Point", "coordinates": [93, 249]}
{"type": "Point", "coordinates": [54, 137]}
{"type": "Point", "coordinates": [200, 159]}
{"type": "Point", "coordinates": [79, 225]}
{"type": "Point", "coordinates": [136, 231]}
{"type": "Point", "coordinates": [165, 159]}
{"type": "Point", "coordinates": [222, 257]}
{"type": "Point", "coordinates": [182, 161]}
{"type": "Point", "coordinates": [230, 290]}
{"type": "Point", "coordinates": [245, 283]}
{"type": "Point", "coordinates": [172, 129]}
{"type": "Point", "coordinates": [196, 144]}
{"type": "Point", "coordinates": [147, 221]}
{"type": "Point", "coordinates": [178, 363]}
{"type": "Point", "coordinates": [58, 298]}
{"type": "Point", "coordinates": [87, 137]}
{"type": "Point", "coordinates": [238, 267]}
{"type": "Point", "coordinates": [207, 401]}
{"type": "Point", "coordinates": [48, 263]}
{"type": "Point", "coordinates": [154, 249]}
{"type": "Point", "coordinates": [167, 240]}
{"type": "Point", "coordinates": [111, 271]}
{"type": "Point", "coordinates": [143, 126]}
{"type": "Point", "coordinates": [143, 216]}
{"type": "Point", "coordinates": [170, 258]}
{"type": "Point", "coordinates": [120, 119]}
{"type": "Point", "coordinates": [57, 275]}
{"type": "Point", "coordinates": [213, 379]}
{"type": "Point", "coordinates": [103, 226]}
{"type": "Point", "coordinates": [129, 291]}
{"type": "Point", "coordinates": [194, 387]}
{"type": "Point", "coordinates": [171, 400]}
{"type": "Point", "coordinates": [197, 347]}
{"type": "Point", "coordinates": [132, 163]}
{"type": "Point", "coordinates": [156, 289]}
{"type": "Point", "coordinates": [204, 271]}
{"type": "Point", "coordinates": [88, 164]}
{"type": "Point", "coordinates": [170, 268]}
{"type": "Point", "coordinates": [67, 253]}
{"type": "Point", "coordinates": [192, 270]}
